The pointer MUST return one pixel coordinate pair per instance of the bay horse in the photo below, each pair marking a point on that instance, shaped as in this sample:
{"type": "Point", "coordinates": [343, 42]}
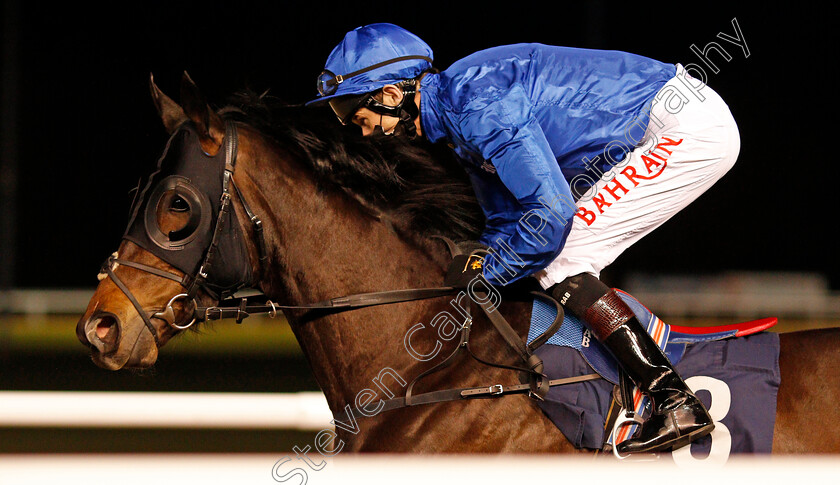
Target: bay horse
{"type": "Point", "coordinates": [344, 215]}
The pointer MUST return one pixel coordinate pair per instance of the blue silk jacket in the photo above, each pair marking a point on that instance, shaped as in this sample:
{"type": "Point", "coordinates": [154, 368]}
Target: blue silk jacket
{"type": "Point", "coordinates": [530, 124]}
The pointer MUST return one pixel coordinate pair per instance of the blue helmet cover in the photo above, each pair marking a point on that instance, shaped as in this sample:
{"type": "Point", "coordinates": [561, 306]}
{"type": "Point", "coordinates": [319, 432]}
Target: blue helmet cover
{"type": "Point", "coordinates": [369, 45]}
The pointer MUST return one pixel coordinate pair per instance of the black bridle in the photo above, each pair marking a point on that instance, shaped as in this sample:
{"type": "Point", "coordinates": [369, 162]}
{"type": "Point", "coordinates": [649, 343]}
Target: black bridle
{"type": "Point", "coordinates": [188, 252]}
{"type": "Point", "coordinates": [203, 279]}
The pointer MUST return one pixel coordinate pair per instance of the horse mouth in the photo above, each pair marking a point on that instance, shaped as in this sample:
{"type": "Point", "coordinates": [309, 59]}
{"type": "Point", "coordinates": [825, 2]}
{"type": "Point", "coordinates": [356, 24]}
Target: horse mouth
{"type": "Point", "coordinates": [133, 360]}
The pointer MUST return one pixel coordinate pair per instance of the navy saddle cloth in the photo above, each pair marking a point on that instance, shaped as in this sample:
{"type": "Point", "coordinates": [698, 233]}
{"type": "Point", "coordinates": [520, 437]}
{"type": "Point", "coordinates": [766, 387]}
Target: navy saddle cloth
{"type": "Point", "coordinates": [733, 369]}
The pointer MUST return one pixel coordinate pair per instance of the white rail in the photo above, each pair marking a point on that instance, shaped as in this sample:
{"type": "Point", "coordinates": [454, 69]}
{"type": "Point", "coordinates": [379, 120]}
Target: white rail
{"type": "Point", "coordinates": [303, 411]}
{"type": "Point", "coordinates": [378, 469]}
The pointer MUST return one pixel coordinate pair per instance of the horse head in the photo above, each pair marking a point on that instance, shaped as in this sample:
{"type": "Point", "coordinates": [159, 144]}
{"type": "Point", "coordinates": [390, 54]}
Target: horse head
{"type": "Point", "coordinates": [183, 246]}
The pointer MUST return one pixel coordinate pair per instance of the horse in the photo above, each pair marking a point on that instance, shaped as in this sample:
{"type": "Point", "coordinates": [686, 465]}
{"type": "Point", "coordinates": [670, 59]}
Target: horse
{"type": "Point", "coordinates": [342, 215]}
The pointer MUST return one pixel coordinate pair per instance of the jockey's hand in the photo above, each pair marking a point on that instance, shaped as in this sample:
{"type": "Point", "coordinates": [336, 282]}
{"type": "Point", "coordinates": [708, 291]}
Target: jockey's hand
{"type": "Point", "coordinates": [464, 268]}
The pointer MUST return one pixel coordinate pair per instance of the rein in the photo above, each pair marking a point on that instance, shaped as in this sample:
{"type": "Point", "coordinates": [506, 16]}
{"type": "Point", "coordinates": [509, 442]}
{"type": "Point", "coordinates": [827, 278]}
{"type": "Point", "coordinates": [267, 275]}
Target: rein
{"type": "Point", "coordinates": [360, 300]}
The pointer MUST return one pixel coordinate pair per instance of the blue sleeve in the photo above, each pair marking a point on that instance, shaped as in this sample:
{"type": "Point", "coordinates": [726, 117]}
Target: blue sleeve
{"type": "Point", "coordinates": [505, 132]}
{"type": "Point", "coordinates": [501, 210]}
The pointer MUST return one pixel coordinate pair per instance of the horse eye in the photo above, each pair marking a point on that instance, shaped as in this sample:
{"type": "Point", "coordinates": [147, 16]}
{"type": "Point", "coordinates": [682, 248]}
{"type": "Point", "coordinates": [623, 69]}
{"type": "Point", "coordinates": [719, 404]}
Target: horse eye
{"type": "Point", "coordinates": [178, 204]}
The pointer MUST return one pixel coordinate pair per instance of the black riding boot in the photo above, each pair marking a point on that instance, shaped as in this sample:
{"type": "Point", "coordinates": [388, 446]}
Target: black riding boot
{"type": "Point", "coordinates": [677, 417]}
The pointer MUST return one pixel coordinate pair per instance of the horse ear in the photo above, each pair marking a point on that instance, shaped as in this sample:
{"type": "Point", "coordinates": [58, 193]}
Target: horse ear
{"type": "Point", "coordinates": [209, 123]}
{"type": "Point", "coordinates": [170, 112]}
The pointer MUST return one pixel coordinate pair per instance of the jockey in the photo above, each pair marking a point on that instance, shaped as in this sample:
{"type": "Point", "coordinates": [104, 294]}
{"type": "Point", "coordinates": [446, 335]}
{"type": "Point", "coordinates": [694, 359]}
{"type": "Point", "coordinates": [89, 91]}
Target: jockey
{"type": "Point", "coordinates": [574, 155]}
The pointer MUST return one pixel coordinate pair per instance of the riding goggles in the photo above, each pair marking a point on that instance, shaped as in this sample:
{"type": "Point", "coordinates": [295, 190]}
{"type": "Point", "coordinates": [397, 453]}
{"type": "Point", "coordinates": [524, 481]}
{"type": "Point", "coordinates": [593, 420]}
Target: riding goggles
{"type": "Point", "coordinates": [328, 82]}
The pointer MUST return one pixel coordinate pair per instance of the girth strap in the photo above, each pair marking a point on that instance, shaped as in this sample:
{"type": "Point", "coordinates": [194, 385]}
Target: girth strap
{"type": "Point", "coordinates": [493, 391]}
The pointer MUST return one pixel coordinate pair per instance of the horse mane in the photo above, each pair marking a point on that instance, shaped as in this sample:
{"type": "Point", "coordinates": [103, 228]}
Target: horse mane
{"type": "Point", "coordinates": [416, 186]}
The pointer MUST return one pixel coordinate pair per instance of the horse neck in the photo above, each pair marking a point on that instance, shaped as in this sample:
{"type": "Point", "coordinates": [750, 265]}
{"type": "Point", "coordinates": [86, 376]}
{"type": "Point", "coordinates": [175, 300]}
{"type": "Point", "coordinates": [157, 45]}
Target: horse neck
{"type": "Point", "coordinates": [323, 244]}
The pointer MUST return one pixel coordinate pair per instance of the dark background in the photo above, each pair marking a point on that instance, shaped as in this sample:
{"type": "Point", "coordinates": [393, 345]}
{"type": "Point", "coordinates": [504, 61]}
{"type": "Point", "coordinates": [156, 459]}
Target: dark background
{"type": "Point", "coordinates": [79, 127]}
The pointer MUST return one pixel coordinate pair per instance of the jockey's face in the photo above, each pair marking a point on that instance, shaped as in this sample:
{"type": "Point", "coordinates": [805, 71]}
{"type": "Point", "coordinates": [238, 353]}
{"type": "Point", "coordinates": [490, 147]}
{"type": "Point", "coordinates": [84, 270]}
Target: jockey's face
{"type": "Point", "coordinates": [367, 120]}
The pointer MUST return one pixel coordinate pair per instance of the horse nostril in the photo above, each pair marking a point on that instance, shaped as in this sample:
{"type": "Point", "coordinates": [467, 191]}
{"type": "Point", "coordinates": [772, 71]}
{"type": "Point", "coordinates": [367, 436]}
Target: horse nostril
{"type": "Point", "coordinates": [104, 326]}
{"type": "Point", "coordinates": [103, 331]}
